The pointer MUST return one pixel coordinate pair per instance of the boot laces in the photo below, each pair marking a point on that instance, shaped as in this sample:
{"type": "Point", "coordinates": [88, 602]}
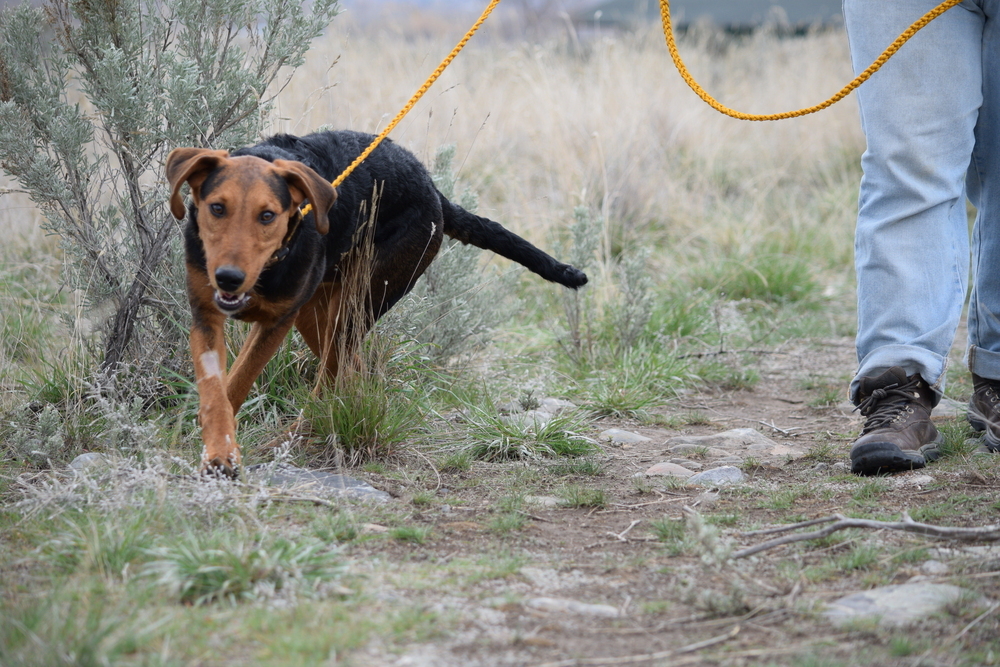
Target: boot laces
{"type": "Point", "coordinates": [886, 404]}
{"type": "Point", "coordinates": [991, 392]}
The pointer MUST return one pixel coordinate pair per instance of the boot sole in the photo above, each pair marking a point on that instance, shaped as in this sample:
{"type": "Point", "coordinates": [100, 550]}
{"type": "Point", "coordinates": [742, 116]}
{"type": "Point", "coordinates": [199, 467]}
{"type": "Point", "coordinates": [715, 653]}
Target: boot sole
{"type": "Point", "coordinates": [880, 458]}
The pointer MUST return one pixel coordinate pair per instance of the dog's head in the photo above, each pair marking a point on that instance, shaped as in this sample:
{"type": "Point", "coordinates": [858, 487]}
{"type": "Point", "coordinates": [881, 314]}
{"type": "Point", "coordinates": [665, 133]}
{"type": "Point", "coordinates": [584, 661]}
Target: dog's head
{"type": "Point", "coordinates": [245, 205]}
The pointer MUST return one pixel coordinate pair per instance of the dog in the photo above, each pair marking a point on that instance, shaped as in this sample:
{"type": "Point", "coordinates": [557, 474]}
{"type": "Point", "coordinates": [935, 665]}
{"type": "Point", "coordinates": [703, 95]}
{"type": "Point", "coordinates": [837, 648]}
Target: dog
{"type": "Point", "coordinates": [251, 255]}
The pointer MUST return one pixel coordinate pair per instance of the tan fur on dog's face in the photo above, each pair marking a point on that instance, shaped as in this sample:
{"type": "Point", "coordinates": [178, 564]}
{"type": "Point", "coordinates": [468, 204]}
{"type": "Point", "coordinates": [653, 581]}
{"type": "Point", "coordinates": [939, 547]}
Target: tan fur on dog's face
{"type": "Point", "coordinates": [244, 207]}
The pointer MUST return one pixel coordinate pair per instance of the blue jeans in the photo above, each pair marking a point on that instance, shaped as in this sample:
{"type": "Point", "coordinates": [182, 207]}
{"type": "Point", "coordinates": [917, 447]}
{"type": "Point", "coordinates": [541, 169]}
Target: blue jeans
{"type": "Point", "coordinates": [930, 117]}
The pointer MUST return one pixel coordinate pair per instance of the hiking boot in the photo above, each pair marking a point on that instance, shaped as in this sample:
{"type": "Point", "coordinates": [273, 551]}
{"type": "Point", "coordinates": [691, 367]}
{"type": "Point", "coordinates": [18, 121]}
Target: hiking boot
{"type": "Point", "coordinates": [898, 433]}
{"type": "Point", "coordinates": [984, 410]}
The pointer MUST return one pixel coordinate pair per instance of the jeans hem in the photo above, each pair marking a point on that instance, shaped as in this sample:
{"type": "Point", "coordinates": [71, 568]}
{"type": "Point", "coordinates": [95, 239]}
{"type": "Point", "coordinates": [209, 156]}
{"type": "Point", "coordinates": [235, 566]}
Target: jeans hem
{"type": "Point", "coordinates": [914, 360]}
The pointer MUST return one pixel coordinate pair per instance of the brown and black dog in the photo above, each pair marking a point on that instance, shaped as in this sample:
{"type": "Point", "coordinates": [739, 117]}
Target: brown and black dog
{"type": "Point", "coordinates": [251, 256]}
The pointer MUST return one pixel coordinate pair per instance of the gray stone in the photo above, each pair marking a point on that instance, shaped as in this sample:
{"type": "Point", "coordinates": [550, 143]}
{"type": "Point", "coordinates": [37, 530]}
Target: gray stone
{"type": "Point", "coordinates": [543, 501]}
{"type": "Point", "coordinates": [315, 481]}
{"type": "Point", "coordinates": [737, 438]}
{"type": "Point", "coordinates": [718, 476]}
{"type": "Point", "coordinates": [713, 452]}
{"type": "Point", "coordinates": [706, 500]}
{"type": "Point", "coordinates": [668, 470]}
{"type": "Point", "coordinates": [556, 405]}
{"type": "Point", "coordinates": [786, 452]}
{"type": "Point", "coordinates": [934, 568]}
{"type": "Point", "coordinates": [564, 606]}
{"type": "Point", "coordinates": [88, 461]}
{"type": "Point", "coordinates": [531, 419]}
{"type": "Point", "coordinates": [893, 605]}
{"type": "Point", "coordinates": [686, 463]}
{"type": "Point", "coordinates": [619, 437]}
{"type": "Point", "coordinates": [910, 479]}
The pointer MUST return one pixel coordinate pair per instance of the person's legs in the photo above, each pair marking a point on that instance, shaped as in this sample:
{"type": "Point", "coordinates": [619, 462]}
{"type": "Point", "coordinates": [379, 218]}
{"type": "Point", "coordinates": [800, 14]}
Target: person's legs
{"type": "Point", "coordinates": [984, 191]}
{"type": "Point", "coordinates": [919, 115]}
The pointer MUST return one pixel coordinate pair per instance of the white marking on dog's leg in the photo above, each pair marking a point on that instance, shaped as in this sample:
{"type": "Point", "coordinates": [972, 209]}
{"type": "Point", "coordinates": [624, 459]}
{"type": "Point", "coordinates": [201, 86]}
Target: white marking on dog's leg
{"type": "Point", "coordinates": [210, 362]}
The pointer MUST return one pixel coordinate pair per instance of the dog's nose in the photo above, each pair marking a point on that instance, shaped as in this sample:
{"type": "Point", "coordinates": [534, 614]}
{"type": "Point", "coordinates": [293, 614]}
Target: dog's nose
{"type": "Point", "coordinates": [229, 278]}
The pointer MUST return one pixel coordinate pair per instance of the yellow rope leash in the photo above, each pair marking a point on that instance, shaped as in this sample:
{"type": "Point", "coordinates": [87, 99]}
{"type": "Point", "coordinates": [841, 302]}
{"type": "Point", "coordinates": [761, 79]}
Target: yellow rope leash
{"type": "Point", "coordinates": [672, 47]}
{"type": "Point", "coordinates": [861, 78]}
{"type": "Point", "coordinates": [413, 100]}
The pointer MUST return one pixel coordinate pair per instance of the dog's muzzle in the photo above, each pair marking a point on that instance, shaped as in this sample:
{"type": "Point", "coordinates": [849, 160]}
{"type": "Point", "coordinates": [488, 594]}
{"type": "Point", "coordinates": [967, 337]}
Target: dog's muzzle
{"type": "Point", "coordinates": [231, 304]}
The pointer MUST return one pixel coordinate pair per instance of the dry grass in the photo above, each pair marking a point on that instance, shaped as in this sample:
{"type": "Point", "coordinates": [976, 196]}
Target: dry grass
{"type": "Point", "coordinates": [543, 127]}
{"type": "Point", "coordinates": [601, 120]}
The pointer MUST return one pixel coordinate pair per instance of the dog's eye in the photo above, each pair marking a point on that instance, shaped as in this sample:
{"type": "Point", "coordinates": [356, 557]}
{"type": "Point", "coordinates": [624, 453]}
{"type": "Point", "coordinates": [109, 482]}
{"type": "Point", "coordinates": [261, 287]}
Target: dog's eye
{"type": "Point", "coordinates": [266, 217]}
{"type": "Point", "coordinates": [217, 209]}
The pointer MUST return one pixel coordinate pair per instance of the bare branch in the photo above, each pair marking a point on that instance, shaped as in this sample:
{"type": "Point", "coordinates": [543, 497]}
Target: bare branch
{"type": "Point", "coordinates": [645, 657]}
{"type": "Point", "coordinates": [973, 534]}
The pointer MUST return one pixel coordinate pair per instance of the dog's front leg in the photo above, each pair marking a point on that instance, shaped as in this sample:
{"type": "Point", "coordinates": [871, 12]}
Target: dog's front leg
{"type": "Point", "coordinates": [259, 347]}
{"type": "Point", "coordinates": [221, 454]}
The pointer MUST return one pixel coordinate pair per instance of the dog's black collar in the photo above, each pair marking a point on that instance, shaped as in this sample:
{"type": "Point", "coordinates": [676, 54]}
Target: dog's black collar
{"type": "Point", "coordinates": [281, 253]}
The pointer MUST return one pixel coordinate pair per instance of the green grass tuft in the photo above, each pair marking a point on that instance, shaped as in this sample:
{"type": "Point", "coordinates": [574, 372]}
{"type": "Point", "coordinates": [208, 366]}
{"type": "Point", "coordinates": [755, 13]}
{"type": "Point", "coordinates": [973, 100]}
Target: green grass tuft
{"type": "Point", "coordinates": [202, 568]}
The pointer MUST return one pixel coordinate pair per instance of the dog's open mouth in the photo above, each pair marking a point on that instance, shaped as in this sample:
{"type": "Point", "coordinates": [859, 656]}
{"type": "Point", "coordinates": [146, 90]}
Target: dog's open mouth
{"type": "Point", "coordinates": [230, 303]}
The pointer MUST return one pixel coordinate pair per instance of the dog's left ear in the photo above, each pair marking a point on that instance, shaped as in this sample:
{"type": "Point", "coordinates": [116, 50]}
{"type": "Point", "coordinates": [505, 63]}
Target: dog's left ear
{"type": "Point", "coordinates": [312, 186]}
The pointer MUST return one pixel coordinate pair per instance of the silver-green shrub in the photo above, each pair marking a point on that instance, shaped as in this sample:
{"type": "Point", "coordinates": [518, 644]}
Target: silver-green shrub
{"type": "Point", "coordinates": [595, 330]}
{"type": "Point", "coordinates": [38, 439]}
{"type": "Point", "coordinates": [456, 304]}
{"type": "Point", "coordinates": [95, 93]}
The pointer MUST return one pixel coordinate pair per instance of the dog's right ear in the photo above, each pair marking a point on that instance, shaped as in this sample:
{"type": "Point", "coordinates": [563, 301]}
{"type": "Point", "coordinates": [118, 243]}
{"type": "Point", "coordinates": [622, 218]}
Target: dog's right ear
{"type": "Point", "coordinates": [189, 165]}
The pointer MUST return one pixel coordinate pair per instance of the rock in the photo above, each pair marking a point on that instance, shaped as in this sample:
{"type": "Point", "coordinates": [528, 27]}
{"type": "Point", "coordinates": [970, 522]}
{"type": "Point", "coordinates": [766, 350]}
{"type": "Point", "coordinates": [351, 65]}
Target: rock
{"type": "Point", "coordinates": [934, 568]}
{"type": "Point", "coordinates": [315, 481]}
{"type": "Point", "coordinates": [730, 461]}
{"type": "Point", "coordinates": [563, 606]}
{"type": "Point", "coordinates": [718, 476]}
{"type": "Point", "coordinates": [543, 501]}
{"type": "Point", "coordinates": [88, 461]}
{"type": "Point", "coordinates": [685, 463]}
{"type": "Point", "coordinates": [530, 419]}
{"type": "Point", "coordinates": [737, 438]}
{"type": "Point", "coordinates": [705, 500]}
{"type": "Point", "coordinates": [619, 437]}
{"type": "Point", "coordinates": [786, 452]}
{"type": "Point", "coordinates": [713, 452]}
{"type": "Point", "coordinates": [911, 480]}
{"type": "Point", "coordinates": [555, 405]}
{"type": "Point", "coordinates": [668, 470]}
{"type": "Point", "coordinates": [893, 605]}
{"type": "Point", "coordinates": [373, 529]}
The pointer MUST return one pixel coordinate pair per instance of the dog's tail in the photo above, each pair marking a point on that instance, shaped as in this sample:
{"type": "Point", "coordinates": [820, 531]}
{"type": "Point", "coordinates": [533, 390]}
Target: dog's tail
{"type": "Point", "coordinates": [484, 233]}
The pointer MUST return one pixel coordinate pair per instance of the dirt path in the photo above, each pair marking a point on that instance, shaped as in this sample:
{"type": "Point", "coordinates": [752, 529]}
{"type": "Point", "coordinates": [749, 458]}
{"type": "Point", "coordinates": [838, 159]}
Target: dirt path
{"type": "Point", "coordinates": [619, 581]}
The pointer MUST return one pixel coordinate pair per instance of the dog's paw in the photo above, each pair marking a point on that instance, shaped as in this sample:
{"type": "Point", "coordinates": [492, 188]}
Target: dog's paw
{"type": "Point", "coordinates": [221, 468]}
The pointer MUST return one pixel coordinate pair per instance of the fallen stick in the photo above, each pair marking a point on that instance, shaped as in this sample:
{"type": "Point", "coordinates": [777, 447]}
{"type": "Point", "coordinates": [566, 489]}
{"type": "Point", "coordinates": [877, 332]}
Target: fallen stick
{"type": "Point", "coordinates": [840, 522]}
{"type": "Point", "coordinates": [644, 657]}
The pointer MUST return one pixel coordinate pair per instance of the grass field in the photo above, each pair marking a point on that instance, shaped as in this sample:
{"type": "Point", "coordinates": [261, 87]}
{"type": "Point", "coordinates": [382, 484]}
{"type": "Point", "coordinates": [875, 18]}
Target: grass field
{"type": "Point", "coordinates": [720, 254]}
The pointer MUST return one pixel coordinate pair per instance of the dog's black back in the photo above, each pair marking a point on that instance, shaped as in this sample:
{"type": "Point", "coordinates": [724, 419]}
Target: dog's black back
{"type": "Point", "coordinates": [409, 209]}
